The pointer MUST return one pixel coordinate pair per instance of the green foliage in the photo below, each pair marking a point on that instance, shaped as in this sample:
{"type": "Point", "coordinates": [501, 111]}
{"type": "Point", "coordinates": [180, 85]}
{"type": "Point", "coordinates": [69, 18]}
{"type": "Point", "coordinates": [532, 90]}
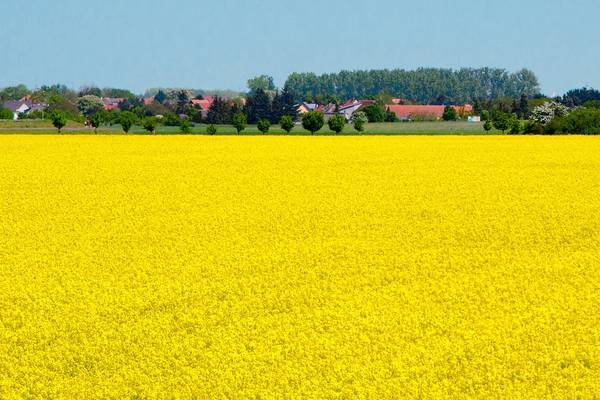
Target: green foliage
{"type": "Point", "coordinates": [89, 105]}
{"type": "Point", "coordinates": [264, 125]}
{"type": "Point", "coordinates": [59, 103]}
{"type": "Point", "coordinates": [90, 91]}
{"type": "Point", "coordinates": [5, 113]}
{"type": "Point", "coordinates": [220, 112]}
{"type": "Point", "coordinates": [336, 123]}
{"type": "Point", "coordinates": [258, 106]}
{"type": "Point", "coordinates": [374, 113]}
{"type": "Point", "coordinates": [515, 126]}
{"type": "Point", "coordinates": [59, 120]}
{"type": "Point", "coordinates": [239, 122]}
{"type": "Point", "coordinates": [118, 93]}
{"type": "Point", "coordinates": [283, 104]}
{"type": "Point", "coordinates": [160, 97]}
{"type": "Point", "coordinates": [150, 124]}
{"type": "Point", "coordinates": [533, 127]}
{"type": "Point", "coordinates": [182, 101]}
{"type": "Point", "coordinates": [313, 121]}
{"type": "Point", "coordinates": [287, 123]}
{"type": "Point", "coordinates": [14, 92]}
{"type": "Point", "coordinates": [262, 82]}
{"type": "Point", "coordinates": [391, 117]}
{"type": "Point", "coordinates": [488, 125]}
{"type": "Point", "coordinates": [211, 129]}
{"type": "Point", "coordinates": [501, 121]}
{"type": "Point", "coordinates": [97, 120]}
{"type": "Point", "coordinates": [578, 97]}
{"type": "Point", "coordinates": [359, 120]}
{"type": "Point", "coordinates": [171, 119]}
{"type": "Point", "coordinates": [127, 119]}
{"type": "Point", "coordinates": [424, 85]}
{"type": "Point", "coordinates": [185, 126]}
{"type": "Point", "coordinates": [584, 121]}
{"type": "Point", "coordinates": [449, 114]}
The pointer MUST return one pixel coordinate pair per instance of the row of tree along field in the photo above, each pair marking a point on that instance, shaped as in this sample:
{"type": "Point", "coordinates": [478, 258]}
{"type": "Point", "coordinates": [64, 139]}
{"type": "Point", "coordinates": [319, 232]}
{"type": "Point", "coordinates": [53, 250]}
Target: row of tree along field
{"type": "Point", "coordinates": [264, 105]}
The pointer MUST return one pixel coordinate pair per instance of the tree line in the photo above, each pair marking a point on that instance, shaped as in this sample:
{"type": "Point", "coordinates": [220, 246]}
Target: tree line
{"type": "Point", "coordinates": [424, 85]}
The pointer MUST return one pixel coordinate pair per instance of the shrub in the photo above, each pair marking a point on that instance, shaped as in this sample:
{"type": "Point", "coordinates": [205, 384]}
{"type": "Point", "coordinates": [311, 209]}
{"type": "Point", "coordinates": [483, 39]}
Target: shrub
{"type": "Point", "coordinates": [171, 119]}
{"type": "Point", "coordinates": [59, 120]}
{"type": "Point", "coordinates": [211, 129]}
{"type": "Point", "coordinates": [501, 121]}
{"type": "Point", "coordinates": [150, 124]}
{"type": "Point", "coordinates": [581, 121]}
{"type": "Point", "coordinates": [239, 121]}
{"type": "Point", "coordinates": [488, 125]}
{"type": "Point", "coordinates": [185, 126]}
{"type": "Point", "coordinates": [127, 119]}
{"type": "Point", "coordinates": [359, 120]}
{"type": "Point", "coordinates": [374, 113]}
{"type": "Point", "coordinates": [336, 123]}
{"type": "Point", "coordinates": [313, 121]}
{"type": "Point", "coordinates": [515, 126]}
{"type": "Point", "coordinates": [391, 117]}
{"type": "Point", "coordinates": [96, 121]}
{"type": "Point", "coordinates": [449, 114]}
{"type": "Point", "coordinates": [5, 113]}
{"type": "Point", "coordinates": [263, 125]}
{"type": "Point", "coordinates": [287, 123]}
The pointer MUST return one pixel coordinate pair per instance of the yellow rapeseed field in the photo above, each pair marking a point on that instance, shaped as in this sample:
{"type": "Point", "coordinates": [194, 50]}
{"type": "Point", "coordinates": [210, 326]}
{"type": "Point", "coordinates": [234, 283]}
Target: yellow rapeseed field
{"type": "Point", "coordinates": [299, 267]}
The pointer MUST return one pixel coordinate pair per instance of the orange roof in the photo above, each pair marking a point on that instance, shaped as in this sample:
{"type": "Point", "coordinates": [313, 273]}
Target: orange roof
{"type": "Point", "coordinates": [405, 112]}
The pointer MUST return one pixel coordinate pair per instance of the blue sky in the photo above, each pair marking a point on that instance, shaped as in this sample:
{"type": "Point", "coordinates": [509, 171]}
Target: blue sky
{"type": "Point", "coordinates": [220, 44]}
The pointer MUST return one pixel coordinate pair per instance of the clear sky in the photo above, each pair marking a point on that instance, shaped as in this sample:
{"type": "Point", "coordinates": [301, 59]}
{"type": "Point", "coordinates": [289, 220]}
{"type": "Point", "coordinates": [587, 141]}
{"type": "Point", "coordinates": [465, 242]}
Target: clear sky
{"type": "Point", "coordinates": [138, 44]}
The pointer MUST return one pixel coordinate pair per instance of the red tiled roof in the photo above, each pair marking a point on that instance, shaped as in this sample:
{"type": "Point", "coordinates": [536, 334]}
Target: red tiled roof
{"type": "Point", "coordinates": [405, 112]}
{"type": "Point", "coordinates": [148, 100]}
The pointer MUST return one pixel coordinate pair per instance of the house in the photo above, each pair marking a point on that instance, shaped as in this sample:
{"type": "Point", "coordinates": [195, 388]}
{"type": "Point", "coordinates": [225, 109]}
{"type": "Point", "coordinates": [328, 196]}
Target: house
{"type": "Point", "coordinates": [351, 106]}
{"type": "Point", "coordinates": [24, 106]}
{"type": "Point", "coordinates": [112, 103]}
{"type": "Point", "coordinates": [412, 112]}
{"type": "Point", "coordinates": [148, 100]}
{"type": "Point", "coordinates": [303, 108]}
{"type": "Point", "coordinates": [203, 104]}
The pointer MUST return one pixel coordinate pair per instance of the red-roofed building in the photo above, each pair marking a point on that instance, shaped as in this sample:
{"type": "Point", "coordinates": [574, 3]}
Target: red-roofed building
{"type": "Point", "coordinates": [409, 113]}
{"type": "Point", "coordinates": [148, 100]}
{"type": "Point", "coordinates": [203, 104]}
{"type": "Point", "coordinates": [112, 103]}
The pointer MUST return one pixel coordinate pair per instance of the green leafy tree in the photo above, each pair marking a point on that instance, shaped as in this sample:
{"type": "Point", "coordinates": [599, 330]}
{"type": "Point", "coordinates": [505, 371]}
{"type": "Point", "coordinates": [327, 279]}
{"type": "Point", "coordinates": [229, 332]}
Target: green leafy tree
{"type": "Point", "coordinates": [488, 125]}
{"type": "Point", "coordinates": [502, 121]}
{"type": "Point", "coordinates": [171, 119]}
{"type": "Point", "coordinates": [287, 123]}
{"type": "Point", "coordinates": [284, 104]}
{"type": "Point", "coordinates": [97, 120]}
{"type": "Point", "coordinates": [515, 126]}
{"type": "Point", "coordinates": [449, 114]}
{"type": "Point", "coordinates": [59, 120]}
{"type": "Point", "coordinates": [374, 113]}
{"type": "Point", "coordinates": [391, 117]}
{"type": "Point", "coordinates": [150, 124]}
{"type": "Point", "coordinates": [211, 129]}
{"type": "Point", "coordinates": [313, 121]}
{"type": "Point", "coordinates": [262, 82]}
{"type": "Point", "coordinates": [160, 97]}
{"type": "Point", "coordinates": [359, 121]}
{"type": "Point", "coordinates": [183, 100]}
{"type": "Point", "coordinates": [89, 105]}
{"type": "Point", "coordinates": [14, 92]}
{"type": "Point", "coordinates": [127, 119]}
{"type": "Point", "coordinates": [5, 113]}
{"type": "Point", "coordinates": [239, 122]}
{"type": "Point", "coordinates": [258, 106]}
{"type": "Point", "coordinates": [185, 126]}
{"type": "Point", "coordinates": [264, 125]}
{"type": "Point", "coordinates": [220, 112]}
{"type": "Point", "coordinates": [336, 123]}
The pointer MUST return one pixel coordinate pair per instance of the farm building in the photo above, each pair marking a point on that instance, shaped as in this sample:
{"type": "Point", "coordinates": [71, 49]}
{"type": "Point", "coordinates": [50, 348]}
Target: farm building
{"type": "Point", "coordinates": [412, 112]}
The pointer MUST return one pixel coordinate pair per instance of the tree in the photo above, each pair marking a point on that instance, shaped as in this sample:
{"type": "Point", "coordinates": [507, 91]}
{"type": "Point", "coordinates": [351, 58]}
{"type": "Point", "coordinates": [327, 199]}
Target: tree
{"type": "Point", "coordinates": [90, 91]}
{"type": "Point", "coordinates": [374, 113]}
{"type": "Point", "coordinates": [211, 129]}
{"type": "Point", "coordinates": [359, 120]}
{"type": "Point", "coordinates": [182, 101]}
{"type": "Point", "coordinates": [262, 82]}
{"type": "Point", "coordinates": [488, 125]}
{"type": "Point", "coordinates": [258, 106]}
{"type": "Point", "coordinates": [160, 97]}
{"type": "Point", "coordinates": [127, 119]}
{"type": "Point", "coordinates": [336, 123]}
{"type": "Point", "coordinates": [171, 119]}
{"type": "Point", "coordinates": [523, 108]}
{"type": "Point", "coordinates": [150, 124]}
{"type": "Point", "coordinates": [220, 112]}
{"type": "Point", "coordinates": [283, 104]}
{"type": "Point", "coordinates": [287, 123]}
{"type": "Point", "coordinates": [97, 120]}
{"type": "Point", "coordinates": [449, 114]}
{"type": "Point", "coordinates": [515, 126]}
{"type": "Point", "coordinates": [547, 112]}
{"type": "Point", "coordinates": [89, 105]}
{"type": "Point", "coordinates": [239, 122]}
{"type": "Point", "coordinates": [59, 120]}
{"type": "Point", "coordinates": [185, 126]}
{"type": "Point", "coordinates": [264, 125]}
{"type": "Point", "coordinates": [14, 92]}
{"type": "Point", "coordinates": [5, 113]}
{"type": "Point", "coordinates": [59, 103]}
{"type": "Point", "coordinates": [502, 121]}
{"type": "Point", "coordinates": [313, 121]}
{"type": "Point", "coordinates": [391, 117]}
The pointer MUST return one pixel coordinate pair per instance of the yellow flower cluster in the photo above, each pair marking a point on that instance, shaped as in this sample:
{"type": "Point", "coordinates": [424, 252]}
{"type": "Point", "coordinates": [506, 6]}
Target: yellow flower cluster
{"type": "Point", "coordinates": [299, 267]}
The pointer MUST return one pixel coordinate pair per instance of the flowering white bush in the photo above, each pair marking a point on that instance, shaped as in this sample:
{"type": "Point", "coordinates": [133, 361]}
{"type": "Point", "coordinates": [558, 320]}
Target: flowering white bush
{"type": "Point", "coordinates": [547, 111]}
